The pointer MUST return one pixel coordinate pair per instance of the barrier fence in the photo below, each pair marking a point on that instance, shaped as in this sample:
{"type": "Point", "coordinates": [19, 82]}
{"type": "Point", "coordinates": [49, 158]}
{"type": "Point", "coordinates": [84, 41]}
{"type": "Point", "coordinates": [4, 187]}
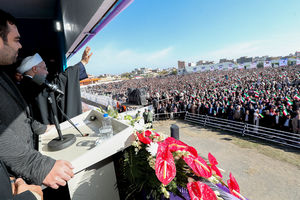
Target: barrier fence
{"type": "Point", "coordinates": [268, 134]}
{"type": "Point", "coordinates": [272, 135]}
{"type": "Point", "coordinates": [164, 116]}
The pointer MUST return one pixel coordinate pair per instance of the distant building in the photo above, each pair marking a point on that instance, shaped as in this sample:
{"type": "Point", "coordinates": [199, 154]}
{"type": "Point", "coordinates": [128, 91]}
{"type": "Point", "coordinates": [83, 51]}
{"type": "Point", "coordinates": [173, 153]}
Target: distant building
{"type": "Point", "coordinates": [208, 62]}
{"type": "Point", "coordinates": [181, 64]}
{"type": "Point", "coordinates": [191, 64]}
{"type": "Point", "coordinates": [224, 60]}
{"type": "Point", "coordinates": [244, 59]}
{"type": "Point", "coordinates": [297, 54]}
{"type": "Point", "coordinates": [200, 62]}
{"type": "Point", "coordinates": [260, 59]}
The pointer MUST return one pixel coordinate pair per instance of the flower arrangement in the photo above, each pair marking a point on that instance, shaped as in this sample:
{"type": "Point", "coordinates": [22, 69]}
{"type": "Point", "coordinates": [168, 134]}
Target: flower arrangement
{"type": "Point", "coordinates": [159, 168]}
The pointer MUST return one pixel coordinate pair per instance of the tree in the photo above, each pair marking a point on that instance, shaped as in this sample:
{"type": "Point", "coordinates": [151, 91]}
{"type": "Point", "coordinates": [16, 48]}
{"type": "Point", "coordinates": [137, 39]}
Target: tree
{"type": "Point", "coordinates": [174, 72]}
{"type": "Point", "coordinates": [126, 75]}
{"type": "Point", "coordinates": [260, 65]}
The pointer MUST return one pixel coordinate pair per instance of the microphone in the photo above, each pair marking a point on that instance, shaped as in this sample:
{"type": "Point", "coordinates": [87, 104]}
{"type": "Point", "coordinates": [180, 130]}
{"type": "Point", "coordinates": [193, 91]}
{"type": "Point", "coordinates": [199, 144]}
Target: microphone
{"type": "Point", "coordinates": [41, 80]}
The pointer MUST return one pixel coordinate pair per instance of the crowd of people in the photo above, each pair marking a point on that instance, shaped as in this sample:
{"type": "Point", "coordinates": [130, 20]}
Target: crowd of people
{"type": "Point", "coordinates": [266, 96]}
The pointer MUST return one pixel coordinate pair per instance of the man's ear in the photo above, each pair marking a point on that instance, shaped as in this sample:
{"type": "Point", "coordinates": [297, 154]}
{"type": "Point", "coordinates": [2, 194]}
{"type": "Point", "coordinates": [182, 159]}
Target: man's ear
{"type": "Point", "coordinates": [1, 43]}
{"type": "Point", "coordinates": [34, 69]}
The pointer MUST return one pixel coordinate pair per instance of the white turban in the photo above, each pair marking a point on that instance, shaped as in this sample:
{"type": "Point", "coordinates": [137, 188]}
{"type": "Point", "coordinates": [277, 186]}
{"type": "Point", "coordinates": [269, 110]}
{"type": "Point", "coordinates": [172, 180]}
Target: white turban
{"type": "Point", "coordinates": [29, 62]}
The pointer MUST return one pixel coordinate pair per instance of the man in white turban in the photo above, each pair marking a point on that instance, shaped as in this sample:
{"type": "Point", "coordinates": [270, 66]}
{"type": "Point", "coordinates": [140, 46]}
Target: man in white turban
{"type": "Point", "coordinates": [33, 65]}
{"type": "Point", "coordinates": [68, 81]}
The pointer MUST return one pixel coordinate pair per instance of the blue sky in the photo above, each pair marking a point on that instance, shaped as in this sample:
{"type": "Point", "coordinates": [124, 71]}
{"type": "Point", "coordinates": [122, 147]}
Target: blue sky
{"type": "Point", "coordinates": [158, 33]}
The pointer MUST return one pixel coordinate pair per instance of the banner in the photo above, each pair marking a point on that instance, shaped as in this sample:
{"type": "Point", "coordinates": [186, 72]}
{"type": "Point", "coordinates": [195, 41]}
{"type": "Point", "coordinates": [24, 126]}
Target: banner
{"type": "Point", "coordinates": [220, 67]}
{"type": "Point", "coordinates": [212, 68]}
{"type": "Point", "coordinates": [230, 66]}
{"type": "Point", "coordinates": [203, 68]}
{"type": "Point", "coordinates": [195, 69]}
{"type": "Point", "coordinates": [298, 61]}
{"type": "Point", "coordinates": [267, 64]}
{"type": "Point", "coordinates": [253, 65]}
{"type": "Point", "coordinates": [240, 66]}
{"type": "Point", "coordinates": [283, 62]}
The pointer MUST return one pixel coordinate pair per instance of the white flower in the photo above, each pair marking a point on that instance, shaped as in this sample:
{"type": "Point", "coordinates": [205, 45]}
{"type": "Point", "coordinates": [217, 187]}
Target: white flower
{"type": "Point", "coordinates": [135, 143]}
{"type": "Point", "coordinates": [152, 148]}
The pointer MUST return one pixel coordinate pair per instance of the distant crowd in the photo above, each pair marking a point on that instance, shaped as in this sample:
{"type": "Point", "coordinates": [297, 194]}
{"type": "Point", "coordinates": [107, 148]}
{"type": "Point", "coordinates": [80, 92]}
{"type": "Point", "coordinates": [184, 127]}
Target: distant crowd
{"type": "Point", "coordinates": [267, 97]}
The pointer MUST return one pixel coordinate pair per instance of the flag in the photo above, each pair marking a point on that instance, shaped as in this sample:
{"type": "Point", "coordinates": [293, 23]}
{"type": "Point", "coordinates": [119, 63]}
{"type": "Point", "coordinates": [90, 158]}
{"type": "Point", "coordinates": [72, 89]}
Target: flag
{"type": "Point", "coordinates": [261, 115]}
{"type": "Point", "coordinates": [256, 94]}
{"type": "Point", "coordinates": [242, 99]}
{"type": "Point", "coordinates": [285, 112]}
{"type": "Point", "coordinates": [297, 97]}
{"type": "Point", "coordinates": [252, 101]}
{"type": "Point", "coordinates": [289, 103]}
{"type": "Point", "coordinates": [288, 98]}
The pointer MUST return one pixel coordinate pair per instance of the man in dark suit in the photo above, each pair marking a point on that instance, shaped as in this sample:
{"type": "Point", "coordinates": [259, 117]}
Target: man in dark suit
{"type": "Point", "coordinates": [16, 125]}
{"type": "Point", "coordinates": [17, 190]}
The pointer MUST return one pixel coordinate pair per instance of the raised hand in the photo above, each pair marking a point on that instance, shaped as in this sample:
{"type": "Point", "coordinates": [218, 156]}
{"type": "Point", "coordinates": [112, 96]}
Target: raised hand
{"type": "Point", "coordinates": [86, 55]}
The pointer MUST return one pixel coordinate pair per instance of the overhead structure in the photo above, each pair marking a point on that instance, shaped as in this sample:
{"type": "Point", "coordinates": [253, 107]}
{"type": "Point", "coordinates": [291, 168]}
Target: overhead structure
{"type": "Point", "coordinates": [58, 29]}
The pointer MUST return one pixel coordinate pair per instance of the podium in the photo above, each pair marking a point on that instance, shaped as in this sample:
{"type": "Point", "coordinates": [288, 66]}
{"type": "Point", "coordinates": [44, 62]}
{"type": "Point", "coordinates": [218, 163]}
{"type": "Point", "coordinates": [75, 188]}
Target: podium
{"type": "Point", "coordinates": [93, 165]}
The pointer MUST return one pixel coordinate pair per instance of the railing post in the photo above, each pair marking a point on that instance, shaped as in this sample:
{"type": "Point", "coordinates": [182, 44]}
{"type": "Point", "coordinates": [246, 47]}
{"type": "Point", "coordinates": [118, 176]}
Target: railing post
{"type": "Point", "coordinates": [185, 115]}
{"type": "Point", "coordinates": [206, 116]}
{"type": "Point", "coordinates": [244, 130]}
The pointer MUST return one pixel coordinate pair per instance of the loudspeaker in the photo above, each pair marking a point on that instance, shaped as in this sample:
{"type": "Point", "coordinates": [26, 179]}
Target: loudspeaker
{"type": "Point", "coordinates": [137, 96]}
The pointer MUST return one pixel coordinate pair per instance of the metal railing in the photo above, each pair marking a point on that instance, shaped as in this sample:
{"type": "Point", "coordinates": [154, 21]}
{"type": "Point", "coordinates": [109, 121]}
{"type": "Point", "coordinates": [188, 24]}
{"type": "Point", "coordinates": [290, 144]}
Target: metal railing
{"type": "Point", "coordinates": [268, 134]}
{"type": "Point", "coordinates": [167, 115]}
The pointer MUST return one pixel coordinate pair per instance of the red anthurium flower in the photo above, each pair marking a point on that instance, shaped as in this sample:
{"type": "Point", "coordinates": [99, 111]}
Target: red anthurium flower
{"type": "Point", "coordinates": [200, 191]}
{"type": "Point", "coordinates": [216, 170]}
{"type": "Point", "coordinates": [233, 186]}
{"type": "Point", "coordinates": [213, 162]}
{"type": "Point", "coordinates": [212, 159]}
{"type": "Point", "coordinates": [165, 168]}
{"type": "Point", "coordinates": [143, 139]}
{"type": "Point", "coordinates": [202, 167]}
{"type": "Point", "coordinates": [198, 165]}
{"type": "Point", "coordinates": [175, 145]}
{"type": "Point", "coordinates": [192, 150]}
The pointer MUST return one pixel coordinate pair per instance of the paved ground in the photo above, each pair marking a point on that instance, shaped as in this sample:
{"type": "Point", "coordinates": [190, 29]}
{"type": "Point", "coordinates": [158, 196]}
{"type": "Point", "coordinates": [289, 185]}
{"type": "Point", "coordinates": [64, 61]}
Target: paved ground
{"type": "Point", "coordinates": [263, 171]}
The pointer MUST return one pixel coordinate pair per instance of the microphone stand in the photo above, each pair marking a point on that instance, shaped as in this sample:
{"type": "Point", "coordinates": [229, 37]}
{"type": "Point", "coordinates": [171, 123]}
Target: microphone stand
{"type": "Point", "coordinates": [62, 141]}
{"type": "Point", "coordinates": [58, 98]}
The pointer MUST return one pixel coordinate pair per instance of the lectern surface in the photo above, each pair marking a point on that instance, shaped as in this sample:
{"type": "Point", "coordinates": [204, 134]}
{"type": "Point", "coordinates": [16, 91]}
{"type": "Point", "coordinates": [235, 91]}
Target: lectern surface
{"type": "Point", "coordinates": [83, 153]}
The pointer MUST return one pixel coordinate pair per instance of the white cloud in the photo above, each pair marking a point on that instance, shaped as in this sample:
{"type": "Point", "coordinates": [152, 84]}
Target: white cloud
{"type": "Point", "coordinates": [111, 59]}
{"type": "Point", "coordinates": [273, 46]}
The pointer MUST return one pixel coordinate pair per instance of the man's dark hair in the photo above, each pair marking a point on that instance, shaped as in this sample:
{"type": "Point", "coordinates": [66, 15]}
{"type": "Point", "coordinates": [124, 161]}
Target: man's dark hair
{"type": "Point", "coordinates": [5, 18]}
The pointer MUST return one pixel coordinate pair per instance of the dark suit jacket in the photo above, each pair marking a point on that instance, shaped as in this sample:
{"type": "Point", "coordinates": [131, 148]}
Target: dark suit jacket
{"type": "Point", "coordinates": [36, 96]}
{"type": "Point", "coordinates": [16, 136]}
{"type": "Point", "coordinates": [6, 190]}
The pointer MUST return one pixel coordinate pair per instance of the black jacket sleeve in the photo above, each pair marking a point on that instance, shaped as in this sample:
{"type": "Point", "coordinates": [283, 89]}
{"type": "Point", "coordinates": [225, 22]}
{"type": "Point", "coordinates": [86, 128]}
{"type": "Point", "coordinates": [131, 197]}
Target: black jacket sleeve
{"type": "Point", "coordinates": [6, 190]}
